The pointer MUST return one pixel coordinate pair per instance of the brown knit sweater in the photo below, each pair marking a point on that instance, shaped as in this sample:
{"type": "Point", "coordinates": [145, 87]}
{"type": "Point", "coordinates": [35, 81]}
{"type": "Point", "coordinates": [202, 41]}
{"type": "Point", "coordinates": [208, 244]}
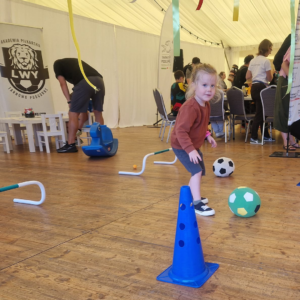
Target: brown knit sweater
{"type": "Point", "coordinates": [191, 126]}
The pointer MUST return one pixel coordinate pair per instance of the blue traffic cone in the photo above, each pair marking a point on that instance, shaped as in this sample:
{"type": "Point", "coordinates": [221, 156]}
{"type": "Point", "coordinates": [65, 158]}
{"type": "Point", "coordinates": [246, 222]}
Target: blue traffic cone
{"type": "Point", "coordinates": [189, 267]}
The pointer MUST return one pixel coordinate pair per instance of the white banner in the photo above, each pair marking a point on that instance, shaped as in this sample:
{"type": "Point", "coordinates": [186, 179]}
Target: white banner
{"type": "Point", "coordinates": [294, 111]}
{"type": "Point", "coordinates": [24, 81]}
{"type": "Point", "coordinates": [166, 58]}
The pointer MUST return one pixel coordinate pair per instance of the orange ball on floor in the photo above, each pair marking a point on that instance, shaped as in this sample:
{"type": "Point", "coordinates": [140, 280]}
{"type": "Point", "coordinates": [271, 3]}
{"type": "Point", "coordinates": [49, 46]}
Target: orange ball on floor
{"type": "Point", "coordinates": [134, 166]}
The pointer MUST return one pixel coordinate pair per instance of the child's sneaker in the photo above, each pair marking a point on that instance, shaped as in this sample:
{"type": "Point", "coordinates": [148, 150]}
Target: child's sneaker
{"type": "Point", "coordinates": [203, 200]}
{"type": "Point", "coordinates": [203, 210]}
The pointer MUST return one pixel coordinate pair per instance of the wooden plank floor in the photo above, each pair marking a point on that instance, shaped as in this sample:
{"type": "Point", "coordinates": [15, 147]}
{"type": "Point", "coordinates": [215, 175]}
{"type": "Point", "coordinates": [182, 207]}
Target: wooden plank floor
{"type": "Point", "coordinates": [100, 235]}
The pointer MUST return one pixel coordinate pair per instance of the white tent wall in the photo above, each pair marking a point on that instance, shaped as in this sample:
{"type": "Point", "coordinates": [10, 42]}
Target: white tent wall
{"type": "Point", "coordinates": [137, 54]}
{"type": "Point", "coordinates": [127, 59]}
{"type": "Point", "coordinates": [138, 63]}
{"type": "Point", "coordinates": [96, 40]}
{"type": "Point", "coordinates": [207, 54]}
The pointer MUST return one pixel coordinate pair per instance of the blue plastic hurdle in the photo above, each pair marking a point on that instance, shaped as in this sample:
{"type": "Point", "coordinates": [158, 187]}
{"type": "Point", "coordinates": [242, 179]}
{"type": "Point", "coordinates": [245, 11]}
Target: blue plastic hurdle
{"type": "Point", "coordinates": [102, 143]}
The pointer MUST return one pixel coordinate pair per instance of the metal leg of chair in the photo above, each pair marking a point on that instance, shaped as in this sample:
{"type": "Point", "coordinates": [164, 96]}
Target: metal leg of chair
{"type": "Point", "coordinates": [233, 129]}
{"type": "Point", "coordinates": [229, 128]}
{"type": "Point", "coordinates": [162, 123]}
{"type": "Point", "coordinates": [271, 129]}
{"type": "Point", "coordinates": [248, 126]}
{"type": "Point", "coordinates": [171, 125]}
{"type": "Point", "coordinates": [225, 131]}
{"type": "Point", "coordinates": [162, 138]}
{"type": "Point", "coordinates": [263, 133]}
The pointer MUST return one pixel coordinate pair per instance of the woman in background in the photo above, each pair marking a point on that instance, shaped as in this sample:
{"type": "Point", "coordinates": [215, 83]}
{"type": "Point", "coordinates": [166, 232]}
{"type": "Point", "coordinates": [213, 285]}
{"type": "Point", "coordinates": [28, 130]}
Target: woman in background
{"type": "Point", "coordinates": [260, 72]}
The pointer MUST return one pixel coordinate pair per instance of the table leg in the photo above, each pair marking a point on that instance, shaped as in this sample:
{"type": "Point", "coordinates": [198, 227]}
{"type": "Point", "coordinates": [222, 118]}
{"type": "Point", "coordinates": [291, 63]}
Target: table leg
{"type": "Point", "coordinates": [17, 134]}
{"type": "Point", "coordinates": [9, 137]}
{"type": "Point", "coordinates": [29, 129]}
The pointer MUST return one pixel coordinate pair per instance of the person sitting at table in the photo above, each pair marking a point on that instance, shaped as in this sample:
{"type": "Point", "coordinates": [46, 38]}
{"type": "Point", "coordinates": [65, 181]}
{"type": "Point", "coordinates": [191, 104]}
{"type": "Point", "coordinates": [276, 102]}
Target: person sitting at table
{"type": "Point", "coordinates": [260, 72]}
{"type": "Point", "coordinates": [221, 83]}
{"type": "Point", "coordinates": [189, 69]}
{"type": "Point", "coordinates": [177, 92]}
{"type": "Point", "coordinates": [67, 70]}
{"type": "Point", "coordinates": [217, 126]}
{"type": "Point", "coordinates": [240, 77]}
{"type": "Point", "coordinates": [240, 81]}
{"type": "Point", "coordinates": [282, 104]}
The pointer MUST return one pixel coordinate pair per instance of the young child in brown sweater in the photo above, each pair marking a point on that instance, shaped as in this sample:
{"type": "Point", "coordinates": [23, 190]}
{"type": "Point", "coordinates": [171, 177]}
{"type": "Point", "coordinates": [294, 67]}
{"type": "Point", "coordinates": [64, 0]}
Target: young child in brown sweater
{"type": "Point", "coordinates": [191, 130]}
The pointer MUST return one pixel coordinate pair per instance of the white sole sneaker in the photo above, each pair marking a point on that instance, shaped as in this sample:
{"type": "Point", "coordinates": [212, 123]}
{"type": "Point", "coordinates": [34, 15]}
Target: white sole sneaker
{"type": "Point", "coordinates": [203, 200]}
{"type": "Point", "coordinates": [204, 210]}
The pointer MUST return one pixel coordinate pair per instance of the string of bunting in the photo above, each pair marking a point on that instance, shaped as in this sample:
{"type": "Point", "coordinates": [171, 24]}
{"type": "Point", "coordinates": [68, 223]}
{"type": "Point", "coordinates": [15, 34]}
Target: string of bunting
{"type": "Point", "coordinates": [199, 5]}
{"type": "Point", "coordinates": [176, 27]}
{"type": "Point", "coordinates": [182, 27]}
{"type": "Point", "coordinates": [293, 41]}
{"type": "Point", "coordinates": [236, 9]}
{"type": "Point", "coordinates": [77, 46]}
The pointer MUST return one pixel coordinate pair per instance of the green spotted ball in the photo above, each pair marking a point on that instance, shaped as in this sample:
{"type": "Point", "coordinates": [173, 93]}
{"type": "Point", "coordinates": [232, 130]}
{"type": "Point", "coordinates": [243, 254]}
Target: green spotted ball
{"type": "Point", "coordinates": [244, 202]}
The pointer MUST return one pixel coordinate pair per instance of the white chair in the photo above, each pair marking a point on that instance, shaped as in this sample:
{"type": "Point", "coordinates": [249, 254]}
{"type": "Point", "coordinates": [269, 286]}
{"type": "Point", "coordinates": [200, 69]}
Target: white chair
{"type": "Point", "coordinates": [56, 129]}
{"type": "Point", "coordinates": [16, 114]}
{"type": "Point", "coordinates": [86, 130]}
{"type": "Point", "coordinates": [4, 140]}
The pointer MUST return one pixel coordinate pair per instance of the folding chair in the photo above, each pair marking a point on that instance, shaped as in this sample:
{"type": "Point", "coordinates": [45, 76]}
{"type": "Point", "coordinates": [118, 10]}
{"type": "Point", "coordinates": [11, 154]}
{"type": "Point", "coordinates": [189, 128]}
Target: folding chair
{"type": "Point", "coordinates": [267, 97]}
{"type": "Point", "coordinates": [217, 113]}
{"type": "Point", "coordinates": [236, 103]}
{"type": "Point", "coordinates": [166, 119]}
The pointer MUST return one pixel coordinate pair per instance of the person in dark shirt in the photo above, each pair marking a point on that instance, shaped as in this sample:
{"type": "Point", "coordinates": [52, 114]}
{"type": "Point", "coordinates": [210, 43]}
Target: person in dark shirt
{"type": "Point", "coordinates": [278, 58]}
{"type": "Point", "coordinates": [177, 92]}
{"type": "Point", "coordinates": [67, 70]}
{"type": "Point", "coordinates": [240, 77]}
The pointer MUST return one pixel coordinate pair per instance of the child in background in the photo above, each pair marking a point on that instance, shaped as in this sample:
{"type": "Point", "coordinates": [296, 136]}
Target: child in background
{"type": "Point", "coordinates": [191, 130]}
{"type": "Point", "coordinates": [177, 92]}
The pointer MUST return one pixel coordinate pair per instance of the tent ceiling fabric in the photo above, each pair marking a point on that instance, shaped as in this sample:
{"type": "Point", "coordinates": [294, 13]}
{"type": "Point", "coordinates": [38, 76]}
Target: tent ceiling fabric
{"type": "Point", "coordinates": [258, 19]}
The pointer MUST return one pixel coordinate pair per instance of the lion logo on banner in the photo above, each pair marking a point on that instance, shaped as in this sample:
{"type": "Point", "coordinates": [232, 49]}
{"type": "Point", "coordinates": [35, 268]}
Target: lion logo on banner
{"type": "Point", "coordinates": [23, 57]}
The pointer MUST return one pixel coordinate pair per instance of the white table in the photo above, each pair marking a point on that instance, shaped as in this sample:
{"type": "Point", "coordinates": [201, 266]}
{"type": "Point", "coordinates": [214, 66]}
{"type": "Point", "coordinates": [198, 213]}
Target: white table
{"type": "Point", "coordinates": [246, 98]}
{"type": "Point", "coordinates": [32, 126]}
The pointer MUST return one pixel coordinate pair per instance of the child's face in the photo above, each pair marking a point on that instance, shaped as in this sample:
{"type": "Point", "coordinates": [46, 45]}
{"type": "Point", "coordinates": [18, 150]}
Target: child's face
{"type": "Point", "coordinates": [206, 87]}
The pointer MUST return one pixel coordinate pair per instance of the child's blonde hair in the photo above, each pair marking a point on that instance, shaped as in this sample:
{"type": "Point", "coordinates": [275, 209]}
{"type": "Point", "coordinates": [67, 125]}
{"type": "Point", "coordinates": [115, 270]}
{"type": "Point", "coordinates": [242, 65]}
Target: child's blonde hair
{"type": "Point", "coordinates": [197, 70]}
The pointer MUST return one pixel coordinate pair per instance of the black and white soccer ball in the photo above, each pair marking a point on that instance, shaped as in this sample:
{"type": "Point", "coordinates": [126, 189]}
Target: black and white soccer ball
{"type": "Point", "coordinates": [223, 167]}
